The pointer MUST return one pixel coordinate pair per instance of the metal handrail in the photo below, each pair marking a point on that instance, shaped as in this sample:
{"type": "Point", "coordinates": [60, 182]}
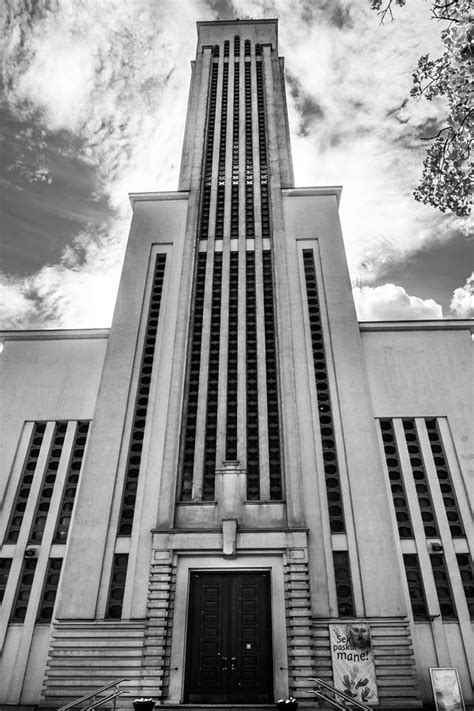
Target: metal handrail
{"type": "Point", "coordinates": [75, 703]}
{"type": "Point", "coordinates": [327, 686]}
{"type": "Point", "coordinates": [101, 702]}
{"type": "Point", "coordinates": [333, 702]}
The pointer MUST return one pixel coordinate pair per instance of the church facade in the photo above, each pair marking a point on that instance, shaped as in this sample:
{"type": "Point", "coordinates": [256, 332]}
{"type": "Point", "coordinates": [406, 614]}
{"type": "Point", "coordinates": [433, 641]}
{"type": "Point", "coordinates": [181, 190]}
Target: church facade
{"type": "Point", "coordinates": [203, 499]}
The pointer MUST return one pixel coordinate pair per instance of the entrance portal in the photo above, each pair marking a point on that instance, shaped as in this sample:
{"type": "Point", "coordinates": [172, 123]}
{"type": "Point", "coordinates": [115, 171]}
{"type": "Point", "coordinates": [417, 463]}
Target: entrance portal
{"type": "Point", "coordinates": [229, 650]}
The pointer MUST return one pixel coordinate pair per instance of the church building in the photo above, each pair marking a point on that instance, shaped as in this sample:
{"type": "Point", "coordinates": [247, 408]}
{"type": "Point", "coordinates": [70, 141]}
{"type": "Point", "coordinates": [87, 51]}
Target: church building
{"type": "Point", "coordinates": [237, 488]}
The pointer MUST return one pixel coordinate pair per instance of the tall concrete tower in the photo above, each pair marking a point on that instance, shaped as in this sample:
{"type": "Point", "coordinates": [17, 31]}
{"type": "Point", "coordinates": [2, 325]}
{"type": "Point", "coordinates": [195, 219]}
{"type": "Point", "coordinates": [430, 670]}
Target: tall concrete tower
{"type": "Point", "coordinates": [233, 508]}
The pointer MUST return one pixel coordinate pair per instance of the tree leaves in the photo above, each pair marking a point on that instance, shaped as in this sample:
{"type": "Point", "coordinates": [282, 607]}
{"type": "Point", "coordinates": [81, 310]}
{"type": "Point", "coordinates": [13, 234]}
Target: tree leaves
{"type": "Point", "coordinates": [448, 175]}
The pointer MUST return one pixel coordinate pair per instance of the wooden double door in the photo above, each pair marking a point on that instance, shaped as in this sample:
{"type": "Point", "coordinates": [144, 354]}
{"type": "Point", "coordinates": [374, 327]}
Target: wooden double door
{"type": "Point", "coordinates": [229, 645]}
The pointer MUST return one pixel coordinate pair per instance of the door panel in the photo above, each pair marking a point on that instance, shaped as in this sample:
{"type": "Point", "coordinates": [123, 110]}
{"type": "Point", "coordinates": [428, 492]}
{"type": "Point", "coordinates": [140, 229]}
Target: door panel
{"type": "Point", "coordinates": [229, 654]}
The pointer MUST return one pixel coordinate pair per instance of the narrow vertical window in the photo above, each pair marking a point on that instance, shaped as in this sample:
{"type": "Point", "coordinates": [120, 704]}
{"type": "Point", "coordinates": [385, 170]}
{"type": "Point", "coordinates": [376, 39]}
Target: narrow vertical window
{"type": "Point", "coordinates": [5, 565]}
{"type": "Point", "coordinates": [262, 148]}
{"type": "Point", "coordinates": [23, 592]}
{"type": "Point", "coordinates": [249, 199]}
{"type": "Point", "coordinates": [232, 358]}
{"type": "Point", "coordinates": [141, 404]}
{"type": "Point", "coordinates": [415, 587]}
{"type": "Point", "coordinates": [421, 481]}
{"type": "Point", "coordinates": [23, 493]}
{"type": "Point", "coordinates": [72, 481]}
{"type": "Point", "coordinates": [47, 488]}
{"type": "Point", "coordinates": [253, 465]}
{"type": "Point", "coordinates": [213, 383]}
{"type": "Point", "coordinates": [234, 195]}
{"type": "Point", "coordinates": [190, 420]}
{"type": "Point", "coordinates": [273, 415]}
{"type": "Point", "coordinates": [443, 587]}
{"type": "Point", "coordinates": [444, 478]}
{"type": "Point", "coordinates": [48, 598]}
{"type": "Point", "coordinates": [117, 586]}
{"type": "Point", "coordinates": [396, 481]}
{"type": "Point", "coordinates": [220, 201]}
{"type": "Point", "coordinates": [467, 579]}
{"type": "Point", "coordinates": [331, 466]}
{"type": "Point", "coordinates": [342, 575]}
{"type": "Point", "coordinates": [207, 172]}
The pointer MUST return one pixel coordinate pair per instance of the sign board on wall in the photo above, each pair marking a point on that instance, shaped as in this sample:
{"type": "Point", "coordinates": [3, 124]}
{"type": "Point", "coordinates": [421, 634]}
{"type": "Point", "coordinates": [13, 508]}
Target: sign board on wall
{"type": "Point", "coordinates": [353, 661]}
{"type": "Point", "coordinates": [446, 689]}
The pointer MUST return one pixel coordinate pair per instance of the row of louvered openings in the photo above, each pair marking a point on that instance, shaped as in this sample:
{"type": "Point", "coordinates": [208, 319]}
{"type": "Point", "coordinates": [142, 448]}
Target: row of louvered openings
{"type": "Point", "coordinates": [234, 178]}
{"type": "Point", "coordinates": [252, 454]}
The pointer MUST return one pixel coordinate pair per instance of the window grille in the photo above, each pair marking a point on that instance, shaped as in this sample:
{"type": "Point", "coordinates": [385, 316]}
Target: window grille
{"type": "Point", "coordinates": [23, 493]}
{"type": "Point", "coordinates": [5, 565]}
{"type": "Point", "coordinates": [193, 382]}
{"type": "Point", "coordinates": [249, 199]}
{"type": "Point", "coordinates": [253, 465]}
{"type": "Point", "coordinates": [226, 48]}
{"type": "Point", "coordinates": [415, 587]}
{"type": "Point", "coordinates": [262, 149]}
{"type": "Point", "coordinates": [23, 592]}
{"type": "Point", "coordinates": [342, 575]}
{"type": "Point", "coordinates": [273, 415]}
{"type": "Point", "coordinates": [396, 480]}
{"type": "Point", "coordinates": [220, 202]}
{"type": "Point", "coordinates": [331, 466]}
{"type": "Point", "coordinates": [213, 383]}
{"type": "Point", "coordinates": [443, 588]}
{"type": "Point", "coordinates": [419, 476]}
{"type": "Point", "coordinates": [232, 358]}
{"type": "Point", "coordinates": [72, 480]}
{"type": "Point", "coordinates": [48, 598]}
{"type": "Point", "coordinates": [141, 404]}
{"type": "Point", "coordinates": [47, 488]}
{"type": "Point", "coordinates": [467, 579]}
{"type": "Point", "coordinates": [117, 586]}
{"type": "Point", "coordinates": [207, 177]}
{"type": "Point", "coordinates": [234, 196]}
{"type": "Point", "coordinates": [444, 478]}
{"type": "Point", "coordinates": [237, 46]}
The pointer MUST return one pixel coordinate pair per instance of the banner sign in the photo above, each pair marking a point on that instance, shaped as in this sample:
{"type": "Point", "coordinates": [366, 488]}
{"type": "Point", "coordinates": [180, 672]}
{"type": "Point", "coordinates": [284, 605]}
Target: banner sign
{"type": "Point", "coordinates": [353, 661]}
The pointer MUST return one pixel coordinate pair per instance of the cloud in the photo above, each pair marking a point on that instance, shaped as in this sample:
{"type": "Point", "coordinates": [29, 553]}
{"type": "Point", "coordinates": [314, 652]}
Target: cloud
{"type": "Point", "coordinates": [115, 77]}
{"type": "Point", "coordinates": [390, 302]}
{"type": "Point", "coordinates": [462, 303]}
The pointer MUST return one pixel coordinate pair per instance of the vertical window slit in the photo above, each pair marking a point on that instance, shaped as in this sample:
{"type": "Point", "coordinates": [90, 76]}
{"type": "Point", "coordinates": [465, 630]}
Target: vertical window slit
{"type": "Point", "coordinates": [331, 466]}
{"type": "Point", "coordinates": [343, 578]}
{"type": "Point", "coordinates": [232, 358]}
{"type": "Point", "coordinates": [5, 565]}
{"type": "Point", "coordinates": [23, 592]}
{"type": "Point", "coordinates": [444, 478]}
{"type": "Point", "coordinates": [48, 598]}
{"type": "Point", "coordinates": [141, 404]}
{"type": "Point", "coordinates": [253, 465]}
{"type": "Point", "coordinates": [220, 202]}
{"type": "Point", "coordinates": [415, 587]}
{"type": "Point", "coordinates": [213, 383]}
{"type": "Point", "coordinates": [249, 200]}
{"type": "Point", "coordinates": [273, 417]}
{"type": "Point", "coordinates": [72, 481]}
{"type": "Point", "coordinates": [262, 148]}
{"type": "Point", "coordinates": [396, 480]}
{"type": "Point", "coordinates": [207, 173]}
{"type": "Point", "coordinates": [117, 586]}
{"type": "Point", "coordinates": [420, 479]}
{"type": "Point", "coordinates": [234, 196]}
{"type": "Point", "coordinates": [23, 493]}
{"type": "Point", "coordinates": [47, 488]}
{"type": "Point", "coordinates": [194, 366]}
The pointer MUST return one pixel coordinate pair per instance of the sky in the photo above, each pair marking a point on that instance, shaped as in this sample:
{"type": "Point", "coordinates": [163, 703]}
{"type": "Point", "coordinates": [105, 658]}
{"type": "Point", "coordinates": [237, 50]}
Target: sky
{"type": "Point", "coordinates": [92, 107]}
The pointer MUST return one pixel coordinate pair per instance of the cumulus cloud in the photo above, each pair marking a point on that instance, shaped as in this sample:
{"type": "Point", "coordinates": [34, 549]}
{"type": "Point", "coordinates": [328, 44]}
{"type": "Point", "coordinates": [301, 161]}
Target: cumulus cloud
{"type": "Point", "coordinates": [390, 302]}
{"type": "Point", "coordinates": [462, 303]}
{"type": "Point", "coordinates": [115, 76]}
